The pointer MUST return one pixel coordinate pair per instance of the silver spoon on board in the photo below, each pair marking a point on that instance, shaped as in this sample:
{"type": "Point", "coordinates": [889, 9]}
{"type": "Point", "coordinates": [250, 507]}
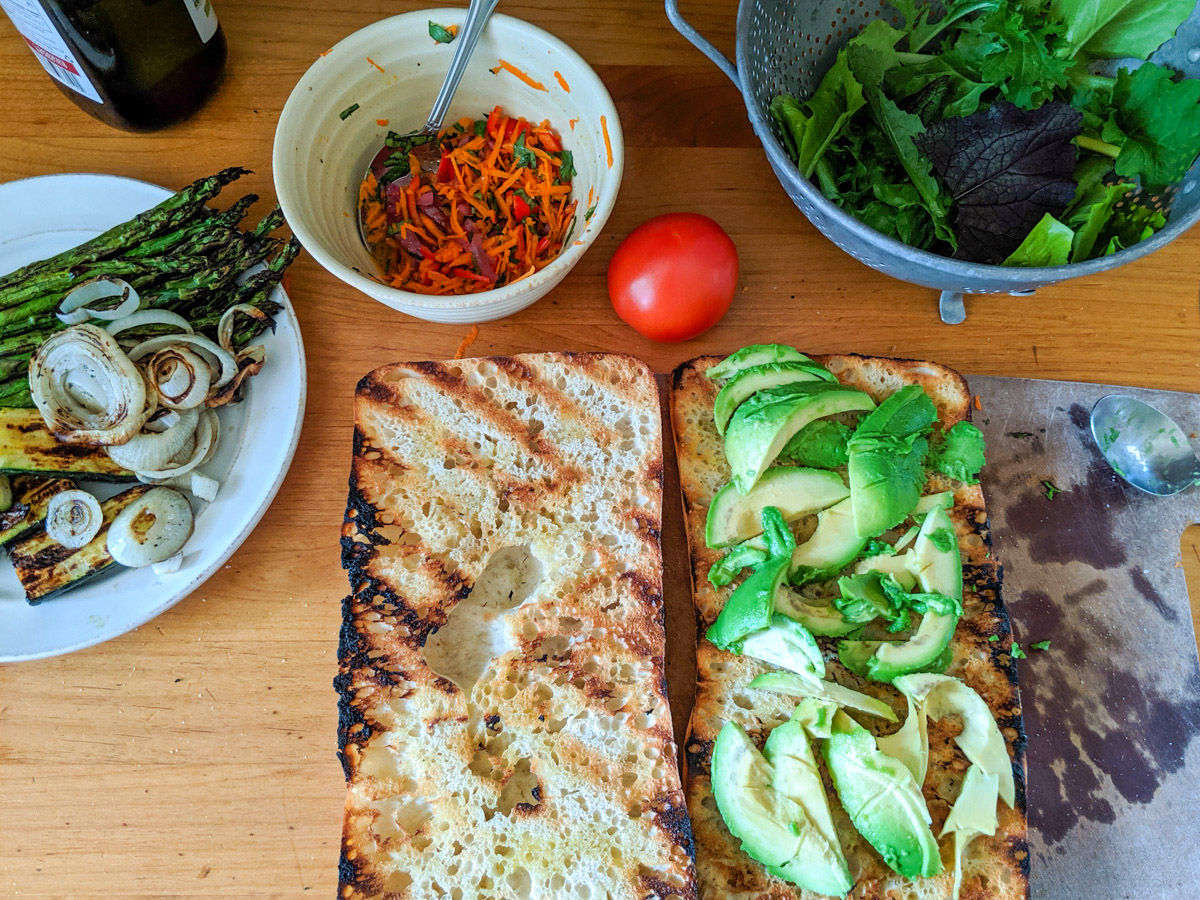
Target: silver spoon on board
{"type": "Point", "coordinates": [1144, 446]}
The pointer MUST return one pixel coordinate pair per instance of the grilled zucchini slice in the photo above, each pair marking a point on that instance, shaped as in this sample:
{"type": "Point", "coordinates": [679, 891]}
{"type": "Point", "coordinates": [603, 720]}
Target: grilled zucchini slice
{"type": "Point", "coordinates": [31, 496]}
{"type": "Point", "coordinates": [45, 567]}
{"type": "Point", "coordinates": [28, 447]}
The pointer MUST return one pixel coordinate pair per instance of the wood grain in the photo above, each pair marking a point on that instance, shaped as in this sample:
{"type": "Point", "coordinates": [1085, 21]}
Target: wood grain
{"type": "Point", "coordinates": [194, 757]}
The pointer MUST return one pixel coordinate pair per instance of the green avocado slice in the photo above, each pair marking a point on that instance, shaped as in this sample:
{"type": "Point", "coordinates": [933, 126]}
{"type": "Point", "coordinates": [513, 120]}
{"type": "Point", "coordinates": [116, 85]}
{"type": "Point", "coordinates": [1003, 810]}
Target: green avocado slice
{"type": "Point", "coordinates": [767, 823]}
{"type": "Point", "coordinates": [787, 644]}
{"type": "Point", "coordinates": [734, 517]}
{"type": "Point", "coordinates": [801, 686]}
{"type": "Point", "coordinates": [833, 545]}
{"type": "Point", "coordinates": [980, 739]}
{"type": "Point", "coordinates": [820, 866]}
{"type": "Point", "coordinates": [882, 799]}
{"type": "Point", "coordinates": [823, 620]}
{"type": "Point", "coordinates": [755, 355]}
{"type": "Point", "coordinates": [763, 424]}
{"type": "Point", "coordinates": [934, 561]}
{"type": "Point", "coordinates": [886, 457]}
{"type": "Point", "coordinates": [747, 382]}
{"type": "Point", "coordinates": [973, 814]}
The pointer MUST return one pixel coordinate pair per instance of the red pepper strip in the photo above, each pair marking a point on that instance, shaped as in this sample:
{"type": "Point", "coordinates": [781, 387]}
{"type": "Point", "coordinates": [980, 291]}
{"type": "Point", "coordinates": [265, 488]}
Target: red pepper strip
{"type": "Point", "coordinates": [427, 253]}
{"type": "Point", "coordinates": [550, 142]}
{"type": "Point", "coordinates": [471, 276]}
{"type": "Point", "coordinates": [542, 245]}
{"type": "Point", "coordinates": [493, 120]}
{"type": "Point", "coordinates": [519, 126]}
{"type": "Point", "coordinates": [445, 172]}
{"type": "Point", "coordinates": [520, 209]}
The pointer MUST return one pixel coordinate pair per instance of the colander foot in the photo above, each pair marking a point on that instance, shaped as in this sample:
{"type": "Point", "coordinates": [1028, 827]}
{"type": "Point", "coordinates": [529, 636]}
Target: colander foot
{"type": "Point", "coordinates": [952, 308]}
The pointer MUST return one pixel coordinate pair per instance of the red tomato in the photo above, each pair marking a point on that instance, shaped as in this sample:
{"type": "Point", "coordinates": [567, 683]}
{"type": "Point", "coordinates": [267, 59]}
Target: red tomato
{"type": "Point", "coordinates": [673, 278]}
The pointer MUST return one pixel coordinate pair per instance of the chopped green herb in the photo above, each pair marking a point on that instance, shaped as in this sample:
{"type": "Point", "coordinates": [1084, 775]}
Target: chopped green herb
{"type": "Point", "coordinates": [567, 170]}
{"type": "Point", "coordinates": [526, 158]}
{"type": "Point", "coordinates": [1040, 645]}
{"type": "Point", "coordinates": [1051, 489]}
{"type": "Point", "coordinates": [1016, 651]}
{"type": "Point", "coordinates": [587, 217]}
{"type": "Point", "coordinates": [1020, 435]}
{"type": "Point", "coordinates": [440, 33]}
{"type": "Point", "coordinates": [480, 127]}
{"type": "Point", "coordinates": [993, 638]}
{"type": "Point", "coordinates": [348, 112]}
{"type": "Point", "coordinates": [943, 539]}
{"type": "Point", "coordinates": [878, 548]}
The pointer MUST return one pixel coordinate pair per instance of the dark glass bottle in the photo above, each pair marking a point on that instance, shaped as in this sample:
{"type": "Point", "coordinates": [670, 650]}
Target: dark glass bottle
{"type": "Point", "coordinates": [138, 65]}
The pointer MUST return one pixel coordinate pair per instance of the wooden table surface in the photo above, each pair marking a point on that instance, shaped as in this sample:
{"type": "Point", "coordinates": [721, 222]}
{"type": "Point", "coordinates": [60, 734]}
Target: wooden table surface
{"type": "Point", "coordinates": [194, 757]}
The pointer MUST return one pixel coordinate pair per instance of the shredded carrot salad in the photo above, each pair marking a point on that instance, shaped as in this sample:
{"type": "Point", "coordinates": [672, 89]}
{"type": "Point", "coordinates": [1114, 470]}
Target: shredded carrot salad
{"type": "Point", "coordinates": [483, 204]}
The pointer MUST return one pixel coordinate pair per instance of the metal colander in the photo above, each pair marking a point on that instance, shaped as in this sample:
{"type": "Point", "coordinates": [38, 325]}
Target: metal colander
{"type": "Point", "coordinates": [784, 46]}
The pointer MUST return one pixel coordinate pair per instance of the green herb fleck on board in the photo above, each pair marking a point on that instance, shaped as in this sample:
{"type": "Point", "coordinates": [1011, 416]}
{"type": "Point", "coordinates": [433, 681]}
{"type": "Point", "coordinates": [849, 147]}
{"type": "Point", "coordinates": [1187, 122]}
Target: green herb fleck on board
{"type": "Point", "coordinates": [1016, 651]}
{"type": "Point", "coordinates": [1020, 435]}
{"type": "Point", "coordinates": [440, 33]}
{"type": "Point", "coordinates": [348, 112]}
{"type": "Point", "coordinates": [993, 638]}
{"type": "Point", "coordinates": [1052, 490]}
{"type": "Point", "coordinates": [1040, 645]}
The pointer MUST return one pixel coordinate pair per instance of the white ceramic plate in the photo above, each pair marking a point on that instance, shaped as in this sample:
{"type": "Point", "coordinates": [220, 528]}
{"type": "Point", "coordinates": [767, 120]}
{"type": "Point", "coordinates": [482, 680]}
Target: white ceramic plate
{"type": "Point", "coordinates": [43, 216]}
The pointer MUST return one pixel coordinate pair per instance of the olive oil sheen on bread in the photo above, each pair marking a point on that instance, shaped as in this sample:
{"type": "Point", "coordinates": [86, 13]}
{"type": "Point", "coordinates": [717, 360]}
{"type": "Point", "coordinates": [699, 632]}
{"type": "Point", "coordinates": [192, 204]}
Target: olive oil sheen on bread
{"type": "Point", "coordinates": [138, 65]}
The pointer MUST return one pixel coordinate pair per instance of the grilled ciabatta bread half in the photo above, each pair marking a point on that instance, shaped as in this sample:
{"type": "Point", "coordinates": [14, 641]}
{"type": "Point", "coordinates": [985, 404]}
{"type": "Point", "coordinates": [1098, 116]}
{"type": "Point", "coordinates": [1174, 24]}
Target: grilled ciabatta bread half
{"type": "Point", "coordinates": [996, 867]}
{"type": "Point", "coordinates": [504, 724]}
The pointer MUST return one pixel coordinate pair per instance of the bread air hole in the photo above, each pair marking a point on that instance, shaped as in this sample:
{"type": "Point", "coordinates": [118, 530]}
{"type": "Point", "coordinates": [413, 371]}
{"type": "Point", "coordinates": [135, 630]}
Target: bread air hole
{"type": "Point", "coordinates": [475, 631]}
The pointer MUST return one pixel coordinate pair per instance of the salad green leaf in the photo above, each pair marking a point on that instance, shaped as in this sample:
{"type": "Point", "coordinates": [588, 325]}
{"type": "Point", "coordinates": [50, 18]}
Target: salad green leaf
{"type": "Point", "coordinates": [1115, 29]}
{"type": "Point", "coordinates": [1155, 121]}
{"type": "Point", "coordinates": [1048, 244]}
{"type": "Point", "coordinates": [1089, 213]}
{"type": "Point", "coordinates": [809, 128]}
{"type": "Point", "coordinates": [1006, 168]}
{"type": "Point", "coordinates": [820, 444]}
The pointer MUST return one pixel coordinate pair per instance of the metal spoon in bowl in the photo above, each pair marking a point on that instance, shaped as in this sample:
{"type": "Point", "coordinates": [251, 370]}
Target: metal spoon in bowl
{"type": "Point", "coordinates": [1144, 446]}
{"type": "Point", "coordinates": [429, 154]}
{"type": "Point", "coordinates": [478, 13]}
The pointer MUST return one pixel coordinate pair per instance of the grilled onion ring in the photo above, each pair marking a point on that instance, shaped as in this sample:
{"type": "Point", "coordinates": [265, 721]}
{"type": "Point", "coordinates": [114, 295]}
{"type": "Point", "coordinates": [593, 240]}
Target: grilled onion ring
{"type": "Point", "coordinates": [152, 528]}
{"type": "Point", "coordinates": [86, 388]}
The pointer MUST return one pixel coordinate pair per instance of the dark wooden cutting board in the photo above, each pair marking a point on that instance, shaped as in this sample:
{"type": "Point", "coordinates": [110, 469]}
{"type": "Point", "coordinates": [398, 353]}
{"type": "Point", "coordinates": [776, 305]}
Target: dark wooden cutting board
{"type": "Point", "coordinates": [1112, 708]}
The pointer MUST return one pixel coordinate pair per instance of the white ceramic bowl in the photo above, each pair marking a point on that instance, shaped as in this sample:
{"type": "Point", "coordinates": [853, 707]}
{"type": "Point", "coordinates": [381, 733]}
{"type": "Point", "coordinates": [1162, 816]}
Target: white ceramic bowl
{"type": "Point", "coordinates": [319, 158]}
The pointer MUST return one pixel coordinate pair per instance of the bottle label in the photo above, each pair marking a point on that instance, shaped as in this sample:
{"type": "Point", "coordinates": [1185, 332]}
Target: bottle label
{"type": "Point", "coordinates": [204, 17]}
{"type": "Point", "coordinates": [48, 46]}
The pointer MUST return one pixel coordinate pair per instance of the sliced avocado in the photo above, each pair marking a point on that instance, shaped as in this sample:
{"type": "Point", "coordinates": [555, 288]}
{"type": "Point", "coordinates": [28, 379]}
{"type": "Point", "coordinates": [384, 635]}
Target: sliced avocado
{"type": "Point", "coordinates": [882, 799]}
{"type": "Point", "coordinates": [862, 598]}
{"type": "Point", "coordinates": [821, 444]}
{"type": "Point", "coordinates": [822, 620]}
{"type": "Point", "coordinates": [766, 422]}
{"type": "Point", "coordinates": [820, 866]}
{"type": "Point", "coordinates": [934, 558]}
{"type": "Point", "coordinates": [980, 740]}
{"type": "Point", "coordinates": [750, 606]}
{"type": "Point", "coordinates": [896, 566]}
{"type": "Point", "coordinates": [816, 715]}
{"type": "Point", "coordinates": [755, 355]}
{"type": "Point", "coordinates": [910, 744]}
{"type": "Point", "coordinates": [832, 547]}
{"type": "Point", "coordinates": [747, 382]}
{"type": "Point", "coordinates": [787, 644]}
{"type": "Point", "coordinates": [855, 656]}
{"type": "Point", "coordinates": [802, 686]}
{"type": "Point", "coordinates": [935, 562]}
{"type": "Point", "coordinates": [944, 499]}
{"type": "Point", "coordinates": [734, 517]}
{"type": "Point", "coordinates": [973, 814]}
{"type": "Point", "coordinates": [887, 452]}
{"type": "Point", "coordinates": [767, 823]}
